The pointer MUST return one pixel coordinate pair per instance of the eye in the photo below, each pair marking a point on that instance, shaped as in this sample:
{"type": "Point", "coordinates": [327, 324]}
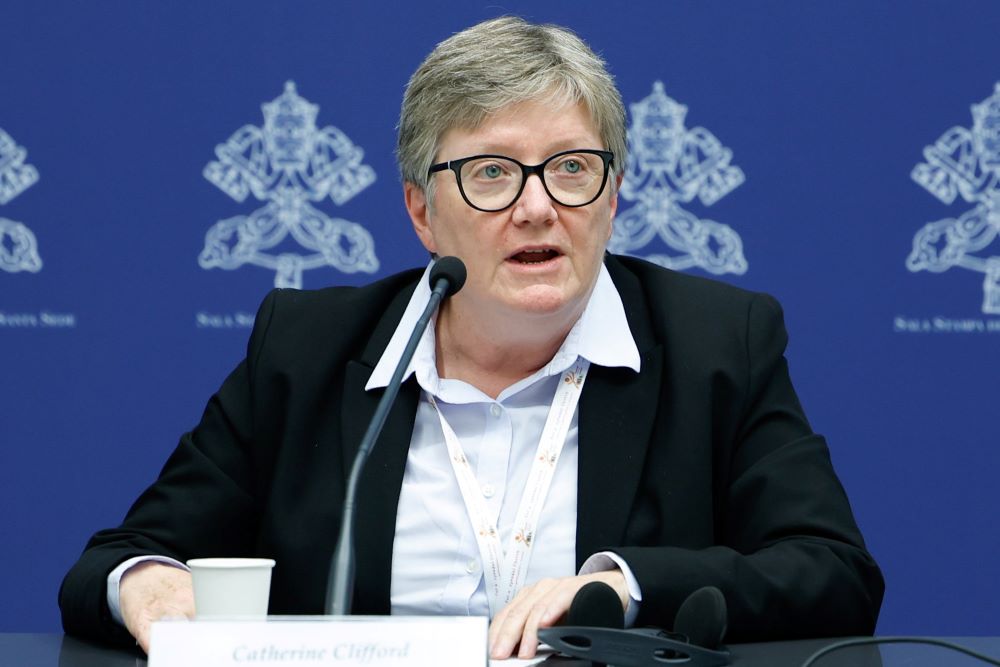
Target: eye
{"type": "Point", "coordinates": [487, 170]}
{"type": "Point", "coordinates": [572, 166]}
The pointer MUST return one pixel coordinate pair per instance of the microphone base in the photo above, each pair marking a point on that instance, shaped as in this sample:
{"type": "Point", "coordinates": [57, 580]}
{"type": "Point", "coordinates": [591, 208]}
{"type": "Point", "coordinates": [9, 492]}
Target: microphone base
{"type": "Point", "coordinates": [630, 648]}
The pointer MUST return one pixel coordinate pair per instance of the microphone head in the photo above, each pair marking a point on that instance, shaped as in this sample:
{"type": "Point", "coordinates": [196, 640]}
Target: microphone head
{"type": "Point", "coordinates": [596, 605]}
{"type": "Point", "coordinates": [450, 268]}
{"type": "Point", "coordinates": [703, 617]}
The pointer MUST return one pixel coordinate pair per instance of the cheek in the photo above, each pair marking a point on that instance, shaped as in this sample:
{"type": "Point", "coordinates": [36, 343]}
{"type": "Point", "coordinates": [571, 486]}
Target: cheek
{"type": "Point", "coordinates": [600, 231]}
{"type": "Point", "coordinates": [428, 240]}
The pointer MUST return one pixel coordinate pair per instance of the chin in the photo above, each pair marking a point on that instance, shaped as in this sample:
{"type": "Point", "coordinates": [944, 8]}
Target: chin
{"type": "Point", "coordinates": [541, 300]}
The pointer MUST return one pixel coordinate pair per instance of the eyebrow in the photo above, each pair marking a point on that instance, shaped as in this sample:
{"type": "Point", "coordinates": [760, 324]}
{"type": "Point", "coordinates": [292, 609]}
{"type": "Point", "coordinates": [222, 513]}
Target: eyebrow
{"type": "Point", "coordinates": [552, 149]}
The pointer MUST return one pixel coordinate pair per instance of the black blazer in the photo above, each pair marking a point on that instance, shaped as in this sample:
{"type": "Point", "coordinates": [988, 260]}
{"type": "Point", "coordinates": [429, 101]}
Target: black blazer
{"type": "Point", "coordinates": [701, 469]}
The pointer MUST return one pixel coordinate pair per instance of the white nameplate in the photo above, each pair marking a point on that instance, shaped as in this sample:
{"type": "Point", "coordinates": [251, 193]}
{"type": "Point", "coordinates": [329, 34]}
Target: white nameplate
{"type": "Point", "coordinates": [313, 641]}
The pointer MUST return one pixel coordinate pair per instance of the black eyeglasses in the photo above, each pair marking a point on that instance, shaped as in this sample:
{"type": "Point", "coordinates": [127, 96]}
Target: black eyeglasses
{"type": "Point", "coordinates": [494, 182]}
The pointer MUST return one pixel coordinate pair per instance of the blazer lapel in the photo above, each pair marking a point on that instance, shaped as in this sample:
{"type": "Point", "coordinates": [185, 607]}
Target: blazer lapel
{"type": "Point", "coordinates": [378, 490]}
{"type": "Point", "coordinates": [617, 410]}
{"type": "Point", "coordinates": [616, 415]}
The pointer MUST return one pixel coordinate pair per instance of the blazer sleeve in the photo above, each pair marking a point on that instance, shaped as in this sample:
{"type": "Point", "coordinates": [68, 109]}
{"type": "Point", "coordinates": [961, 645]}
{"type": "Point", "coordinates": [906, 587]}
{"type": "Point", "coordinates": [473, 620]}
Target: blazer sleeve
{"type": "Point", "coordinates": [787, 553]}
{"type": "Point", "coordinates": [204, 502]}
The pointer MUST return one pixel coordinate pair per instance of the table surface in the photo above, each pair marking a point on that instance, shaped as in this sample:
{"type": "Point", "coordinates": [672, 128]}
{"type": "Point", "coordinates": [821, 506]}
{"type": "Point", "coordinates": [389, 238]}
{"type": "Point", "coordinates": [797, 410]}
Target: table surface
{"type": "Point", "coordinates": [57, 650]}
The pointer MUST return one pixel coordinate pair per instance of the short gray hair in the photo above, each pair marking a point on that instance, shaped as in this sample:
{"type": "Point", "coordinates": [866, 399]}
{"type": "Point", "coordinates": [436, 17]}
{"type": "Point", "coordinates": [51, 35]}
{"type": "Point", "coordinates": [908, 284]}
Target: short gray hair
{"type": "Point", "coordinates": [491, 66]}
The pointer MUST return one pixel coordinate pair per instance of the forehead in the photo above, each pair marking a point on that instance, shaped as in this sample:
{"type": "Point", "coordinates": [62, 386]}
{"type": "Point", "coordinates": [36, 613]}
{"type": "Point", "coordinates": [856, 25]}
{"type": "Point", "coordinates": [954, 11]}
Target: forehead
{"type": "Point", "coordinates": [528, 131]}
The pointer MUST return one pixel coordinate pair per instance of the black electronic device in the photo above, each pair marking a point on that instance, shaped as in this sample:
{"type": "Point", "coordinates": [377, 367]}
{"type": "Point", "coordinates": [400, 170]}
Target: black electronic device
{"type": "Point", "coordinates": [702, 614]}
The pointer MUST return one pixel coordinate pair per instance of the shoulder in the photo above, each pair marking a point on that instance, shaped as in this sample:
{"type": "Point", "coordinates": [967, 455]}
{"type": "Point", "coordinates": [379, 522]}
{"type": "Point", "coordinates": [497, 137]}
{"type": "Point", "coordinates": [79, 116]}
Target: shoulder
{"type": "Point", "coordinates": [666, 285]}
{"type": "Point", "coordinates": [332, 317]}
{"type": "Point", "coordinates": [331, 301]}
{"type": "Point", "coordinates": [691, 311]}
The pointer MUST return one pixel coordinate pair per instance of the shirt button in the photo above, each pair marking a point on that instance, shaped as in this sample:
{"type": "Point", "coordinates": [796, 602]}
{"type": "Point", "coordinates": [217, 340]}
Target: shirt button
{"type": "Point", "coordinates": [488, 490]}
{"type": "Point", "coordinates": [495, 410]}
{"type": "Point", "coordinates": [472, 566]}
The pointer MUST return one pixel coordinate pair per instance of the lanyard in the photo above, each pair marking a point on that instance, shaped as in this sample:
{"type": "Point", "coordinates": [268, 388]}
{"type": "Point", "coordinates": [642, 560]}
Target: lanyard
{"type": "Point", "coordinates": [505, 570]}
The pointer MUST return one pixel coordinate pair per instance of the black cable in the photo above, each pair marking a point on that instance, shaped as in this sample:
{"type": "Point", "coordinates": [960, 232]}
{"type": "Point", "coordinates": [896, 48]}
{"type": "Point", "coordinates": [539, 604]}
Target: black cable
{"type": "Point", "coordinates": [871, 641]}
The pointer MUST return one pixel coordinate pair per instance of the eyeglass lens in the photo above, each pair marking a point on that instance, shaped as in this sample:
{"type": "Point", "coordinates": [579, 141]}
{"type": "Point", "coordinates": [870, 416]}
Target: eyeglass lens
{"type": "Point", "coordinates": [572, 179]}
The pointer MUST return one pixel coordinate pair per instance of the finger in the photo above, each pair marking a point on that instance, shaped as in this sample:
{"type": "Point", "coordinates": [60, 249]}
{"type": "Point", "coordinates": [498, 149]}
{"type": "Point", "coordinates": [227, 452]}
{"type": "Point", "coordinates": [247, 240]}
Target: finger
{"type": "Point", "coordinates": [557, 605]}
{"type": "Point", "coordinates": [503, 640]}
{"type": "Point", "coordinates": [498, 621]}
{"type": "Point", "coordinates": [507, 635]}
{"type": "Point", "coordinates": [529, 634]}
{"type": "Point", "coordinates": [547, 612]}
{"type": "Point", "coordinates": [495, 625]}
{"type": "Point", "coordinates": [508, 625]}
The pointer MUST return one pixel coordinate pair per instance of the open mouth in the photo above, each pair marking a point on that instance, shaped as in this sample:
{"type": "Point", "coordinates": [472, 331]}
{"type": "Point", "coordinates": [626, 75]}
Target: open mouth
{"type": "Point", "coordinates": [538, 256]}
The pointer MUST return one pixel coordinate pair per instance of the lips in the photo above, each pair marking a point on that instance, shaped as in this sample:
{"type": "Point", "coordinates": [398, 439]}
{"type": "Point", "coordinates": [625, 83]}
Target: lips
{"type": "Point", "coordinates": [535, 255]}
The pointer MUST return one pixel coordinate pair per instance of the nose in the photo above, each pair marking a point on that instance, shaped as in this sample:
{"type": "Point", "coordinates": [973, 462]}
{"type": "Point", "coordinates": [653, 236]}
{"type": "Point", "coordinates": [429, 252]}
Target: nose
{"type": "Point", "coordinates": [534, 205]}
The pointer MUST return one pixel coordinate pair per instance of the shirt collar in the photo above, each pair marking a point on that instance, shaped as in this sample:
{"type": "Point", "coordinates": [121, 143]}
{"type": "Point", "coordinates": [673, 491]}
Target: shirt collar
{"type": "Point", "coordinates": [601, 336]}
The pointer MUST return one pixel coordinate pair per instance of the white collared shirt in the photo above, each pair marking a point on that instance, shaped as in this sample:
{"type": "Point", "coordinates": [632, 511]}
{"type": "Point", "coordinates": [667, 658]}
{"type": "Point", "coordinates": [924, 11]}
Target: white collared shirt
{"type": "Point", "coordinates": [436, 568]}
{"type": "Point", "coordinates": [436, 565]}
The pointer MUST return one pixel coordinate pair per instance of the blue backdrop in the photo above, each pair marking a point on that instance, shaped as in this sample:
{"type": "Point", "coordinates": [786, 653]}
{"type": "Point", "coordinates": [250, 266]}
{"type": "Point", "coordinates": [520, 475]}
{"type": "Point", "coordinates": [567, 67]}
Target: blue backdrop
{"type": "Point", "coordinates": [816, 143]}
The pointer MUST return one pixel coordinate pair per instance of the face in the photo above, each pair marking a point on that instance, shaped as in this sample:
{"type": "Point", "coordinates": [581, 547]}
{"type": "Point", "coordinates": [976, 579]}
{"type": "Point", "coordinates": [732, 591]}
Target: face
{"type": "Point", "coordinates": [537, 257]}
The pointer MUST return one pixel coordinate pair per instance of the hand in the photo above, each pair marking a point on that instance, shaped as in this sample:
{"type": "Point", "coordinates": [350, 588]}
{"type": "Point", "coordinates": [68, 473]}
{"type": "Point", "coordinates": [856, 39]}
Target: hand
{"type": "Point", "coordinates": [151, 591]}
{"type": "Point", "coordinates": [542, 605]}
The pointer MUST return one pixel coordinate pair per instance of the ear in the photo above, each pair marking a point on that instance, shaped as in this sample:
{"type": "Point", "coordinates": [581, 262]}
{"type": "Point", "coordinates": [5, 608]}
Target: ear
{"type": "Point", "coordinates": [416, 206]}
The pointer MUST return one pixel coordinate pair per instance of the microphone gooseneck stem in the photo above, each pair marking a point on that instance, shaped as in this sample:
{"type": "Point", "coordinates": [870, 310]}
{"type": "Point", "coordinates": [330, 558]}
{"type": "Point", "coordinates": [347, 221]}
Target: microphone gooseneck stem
{"type": "Point", "coordinates": [340, 586]}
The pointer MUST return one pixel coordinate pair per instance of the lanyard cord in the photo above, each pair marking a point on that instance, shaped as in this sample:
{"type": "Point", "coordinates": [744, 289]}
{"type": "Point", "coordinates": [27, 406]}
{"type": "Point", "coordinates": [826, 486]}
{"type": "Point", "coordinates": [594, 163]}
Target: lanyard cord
{"type": "Point", "coordinates": [506, 570]}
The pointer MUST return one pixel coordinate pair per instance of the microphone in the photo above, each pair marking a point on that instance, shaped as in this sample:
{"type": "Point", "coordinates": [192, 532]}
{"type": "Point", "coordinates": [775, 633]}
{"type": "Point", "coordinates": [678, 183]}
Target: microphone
{"type": "Point", "coordinates": [451, 269]}
{"type": "Point", "coordinates": [593, 631]}
{"type": "Point", "coordinates": [596, 605]}
{"type": "Point", "coordinates": [702, 617]}
{"type": "Point", "coordinates": [446, 277]}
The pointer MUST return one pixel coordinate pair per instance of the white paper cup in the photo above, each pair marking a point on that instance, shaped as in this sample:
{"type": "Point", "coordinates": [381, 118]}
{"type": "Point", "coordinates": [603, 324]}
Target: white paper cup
{"type": "Point", "coordinates": [231, 587]}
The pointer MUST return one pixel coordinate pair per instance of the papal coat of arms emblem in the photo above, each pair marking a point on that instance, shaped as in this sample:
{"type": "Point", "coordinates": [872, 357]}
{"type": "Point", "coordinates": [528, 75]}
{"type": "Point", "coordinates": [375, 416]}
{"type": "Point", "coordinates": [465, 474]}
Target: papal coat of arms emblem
{"type": "Point", "coordinates": [18, 247]}
{"type": "Point", "coordinates": [966, 162]}
{"type": "Point", "coordinates": [288, 163]}
{"type": "Point", "coordinates": [670, 165]}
